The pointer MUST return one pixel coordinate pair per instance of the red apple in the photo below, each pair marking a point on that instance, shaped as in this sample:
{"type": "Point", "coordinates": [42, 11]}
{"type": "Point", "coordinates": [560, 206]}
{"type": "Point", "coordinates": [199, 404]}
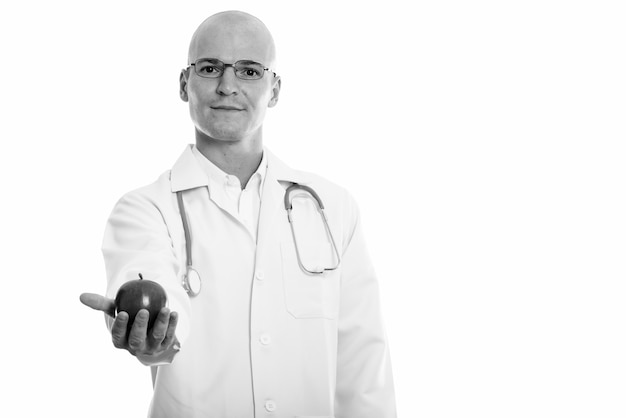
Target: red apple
{"type": "Point", "coordinates": [140, 294]}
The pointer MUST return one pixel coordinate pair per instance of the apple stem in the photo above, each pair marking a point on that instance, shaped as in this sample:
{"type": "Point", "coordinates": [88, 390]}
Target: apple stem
{"type": "Point", "coordinates": [140, 276]}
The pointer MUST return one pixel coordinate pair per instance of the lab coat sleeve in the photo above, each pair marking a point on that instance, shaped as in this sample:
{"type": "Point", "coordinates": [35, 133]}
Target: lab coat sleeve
{"type": "Point", "coordinates": [364, 379]}
{"type": "Point", "coordinates": [137, 240]}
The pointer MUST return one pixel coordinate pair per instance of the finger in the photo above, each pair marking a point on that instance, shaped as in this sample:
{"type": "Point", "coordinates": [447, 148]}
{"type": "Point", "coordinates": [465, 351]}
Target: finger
{"type": "Point", "coordinates": [119, 330]}
{"type": "Point", "coordinates": [160, 327]}
{"type": "Point", "coordinates": [137, 336]}
{"type": "Point", "coordinates": [99, 303]}
{"type": "Point", "coordinates": [171, 329]}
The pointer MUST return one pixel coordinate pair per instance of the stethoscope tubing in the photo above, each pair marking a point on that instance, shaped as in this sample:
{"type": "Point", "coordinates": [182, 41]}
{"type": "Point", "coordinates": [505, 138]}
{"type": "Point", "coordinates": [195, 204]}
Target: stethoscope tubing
{"type": "Point", "coordinates": [183, 215]}
{"type": "Point", "coordinates": [320, 209]}
{"type": "Point", "coordinates": [194, 290]}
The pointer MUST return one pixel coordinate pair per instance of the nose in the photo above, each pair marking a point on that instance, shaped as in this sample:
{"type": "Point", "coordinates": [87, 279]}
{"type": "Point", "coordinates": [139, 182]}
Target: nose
{"type": "Point", "coordinates": [227, 83]}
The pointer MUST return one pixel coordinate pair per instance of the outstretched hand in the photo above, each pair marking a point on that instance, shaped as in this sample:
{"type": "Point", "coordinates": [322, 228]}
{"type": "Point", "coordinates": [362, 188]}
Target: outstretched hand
{"type": "Point", "coordinates": [138, 340]}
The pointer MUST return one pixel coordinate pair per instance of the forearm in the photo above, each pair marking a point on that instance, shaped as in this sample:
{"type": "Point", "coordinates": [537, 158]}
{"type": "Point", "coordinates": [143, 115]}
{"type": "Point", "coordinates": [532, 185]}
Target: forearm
{"type": "Point", "coordinates": [364, 378]}
{"type": "Point", "coordinates": [137, 240]}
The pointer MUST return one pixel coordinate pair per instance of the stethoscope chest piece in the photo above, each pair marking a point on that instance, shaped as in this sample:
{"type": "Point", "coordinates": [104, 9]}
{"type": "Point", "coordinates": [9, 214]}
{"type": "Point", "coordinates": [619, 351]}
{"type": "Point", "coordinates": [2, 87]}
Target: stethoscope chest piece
{"type": "Point", "coordinates": [191, 282]}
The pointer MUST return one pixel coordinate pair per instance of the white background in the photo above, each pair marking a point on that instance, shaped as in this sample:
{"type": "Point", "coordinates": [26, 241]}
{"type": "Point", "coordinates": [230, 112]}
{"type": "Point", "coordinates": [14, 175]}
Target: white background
{"type": "Point", "coordinates": [483, 140]}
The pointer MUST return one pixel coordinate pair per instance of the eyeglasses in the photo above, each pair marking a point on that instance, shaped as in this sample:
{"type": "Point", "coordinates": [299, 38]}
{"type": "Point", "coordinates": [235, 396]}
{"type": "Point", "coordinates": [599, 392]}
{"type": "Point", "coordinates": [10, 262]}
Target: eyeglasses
{"type": "Point", "coordinates": [244, 69]}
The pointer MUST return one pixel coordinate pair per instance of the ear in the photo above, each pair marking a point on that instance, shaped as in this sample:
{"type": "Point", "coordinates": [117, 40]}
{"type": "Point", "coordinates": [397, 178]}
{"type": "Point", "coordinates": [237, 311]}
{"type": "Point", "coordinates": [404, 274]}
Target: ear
{"type": "Point", "coordinates": [184, 74]}
{"type": "Point", "coordinates": [275, 93]}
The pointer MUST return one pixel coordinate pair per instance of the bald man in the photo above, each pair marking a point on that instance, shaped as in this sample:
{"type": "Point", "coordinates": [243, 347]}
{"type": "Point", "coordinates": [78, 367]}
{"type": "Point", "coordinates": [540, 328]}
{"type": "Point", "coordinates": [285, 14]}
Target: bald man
{"type": "Point", "coordinates": [269, 314]}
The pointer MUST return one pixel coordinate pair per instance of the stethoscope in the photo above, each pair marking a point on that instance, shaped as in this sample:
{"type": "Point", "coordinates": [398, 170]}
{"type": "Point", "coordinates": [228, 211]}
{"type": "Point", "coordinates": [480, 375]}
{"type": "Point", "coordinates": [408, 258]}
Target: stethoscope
{"type": "Point", "coordinates": [191, 279]}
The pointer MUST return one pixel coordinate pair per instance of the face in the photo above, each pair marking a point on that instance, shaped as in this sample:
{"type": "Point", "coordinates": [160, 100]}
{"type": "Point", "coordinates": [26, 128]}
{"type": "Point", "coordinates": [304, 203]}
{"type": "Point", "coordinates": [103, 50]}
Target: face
{"type": "Point", "coordinates": [228, 108]}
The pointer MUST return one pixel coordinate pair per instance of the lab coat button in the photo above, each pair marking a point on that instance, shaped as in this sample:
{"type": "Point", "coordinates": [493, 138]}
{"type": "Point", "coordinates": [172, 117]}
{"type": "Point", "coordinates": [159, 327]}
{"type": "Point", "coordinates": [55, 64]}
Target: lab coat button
{"type": "Point", "coordinates": [259, 275]}
{"type": "Point", "coordinates": [265, 339]}
{"type": "Point", "coordinates": [270, 406]}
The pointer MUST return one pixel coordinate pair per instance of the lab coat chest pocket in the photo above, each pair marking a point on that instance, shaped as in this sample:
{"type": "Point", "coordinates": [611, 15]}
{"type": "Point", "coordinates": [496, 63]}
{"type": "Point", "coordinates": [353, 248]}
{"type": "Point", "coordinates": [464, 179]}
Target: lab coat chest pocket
{"type": "Point", "coordinates": [309, 295]}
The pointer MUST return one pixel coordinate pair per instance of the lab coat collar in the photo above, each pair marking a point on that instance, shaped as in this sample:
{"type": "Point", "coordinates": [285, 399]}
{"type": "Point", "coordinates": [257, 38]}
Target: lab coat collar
{"type": "Point", "coordinates": [187, 173]}
{"type": "Point", "coordinates": [278, 170]}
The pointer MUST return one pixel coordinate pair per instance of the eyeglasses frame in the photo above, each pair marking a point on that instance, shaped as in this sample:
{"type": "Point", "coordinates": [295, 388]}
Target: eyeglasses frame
{"type": "Point", "coordinates": [233, 66]}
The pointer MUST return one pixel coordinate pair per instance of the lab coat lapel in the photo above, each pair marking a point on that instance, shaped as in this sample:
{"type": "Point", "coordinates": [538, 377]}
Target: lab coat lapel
{"type": "Point", "coordinates": [278, 177]}
{"type": "Point", "coordinates": [270, 209]}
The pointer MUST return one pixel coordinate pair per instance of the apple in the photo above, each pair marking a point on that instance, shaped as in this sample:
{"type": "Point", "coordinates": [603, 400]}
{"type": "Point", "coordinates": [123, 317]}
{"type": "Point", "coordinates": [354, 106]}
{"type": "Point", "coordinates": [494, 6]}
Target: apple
{"type": "Point", "coordinates": [140, 294]}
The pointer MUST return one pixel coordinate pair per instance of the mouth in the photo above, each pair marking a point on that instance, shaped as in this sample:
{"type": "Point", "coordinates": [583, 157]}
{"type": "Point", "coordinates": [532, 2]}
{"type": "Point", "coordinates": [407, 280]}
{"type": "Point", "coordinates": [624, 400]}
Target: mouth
{"type": "Point", "coordinates": [233, 108]}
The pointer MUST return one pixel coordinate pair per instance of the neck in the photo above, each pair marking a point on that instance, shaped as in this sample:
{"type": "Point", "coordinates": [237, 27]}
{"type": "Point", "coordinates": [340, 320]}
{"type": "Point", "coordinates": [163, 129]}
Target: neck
{"type": "Point", "coordinates": [238, 158]}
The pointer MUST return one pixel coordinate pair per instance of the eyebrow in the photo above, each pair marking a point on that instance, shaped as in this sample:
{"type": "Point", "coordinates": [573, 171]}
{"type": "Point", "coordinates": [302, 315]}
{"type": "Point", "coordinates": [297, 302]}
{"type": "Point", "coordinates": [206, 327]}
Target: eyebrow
{"type": "Point", "coordinates": [248, 62]}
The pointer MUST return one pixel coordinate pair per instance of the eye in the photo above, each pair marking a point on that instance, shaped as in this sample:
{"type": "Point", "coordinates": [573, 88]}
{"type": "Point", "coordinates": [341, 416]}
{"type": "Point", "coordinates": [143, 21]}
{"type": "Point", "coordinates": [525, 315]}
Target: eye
{"type": "Point", "coordinates": [207, 69]}
{"type": "Point", "coordinates": [250, 72]}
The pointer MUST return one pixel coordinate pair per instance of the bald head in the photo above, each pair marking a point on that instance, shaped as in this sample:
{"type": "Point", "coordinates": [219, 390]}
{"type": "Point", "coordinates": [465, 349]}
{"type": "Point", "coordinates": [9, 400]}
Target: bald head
{"type": "Point", "coordinates": [231, 36]}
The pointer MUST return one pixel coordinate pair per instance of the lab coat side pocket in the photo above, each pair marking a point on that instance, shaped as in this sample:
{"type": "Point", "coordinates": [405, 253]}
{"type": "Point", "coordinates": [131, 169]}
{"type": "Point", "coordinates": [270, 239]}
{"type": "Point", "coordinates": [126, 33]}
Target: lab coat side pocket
{"type": "Point", "coordinates": [308, 295]}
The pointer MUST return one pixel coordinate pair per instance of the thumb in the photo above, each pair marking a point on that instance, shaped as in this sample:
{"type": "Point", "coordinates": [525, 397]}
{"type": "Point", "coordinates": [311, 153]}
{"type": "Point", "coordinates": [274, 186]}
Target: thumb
{"type": "Point", "coordinates": [99, 303]}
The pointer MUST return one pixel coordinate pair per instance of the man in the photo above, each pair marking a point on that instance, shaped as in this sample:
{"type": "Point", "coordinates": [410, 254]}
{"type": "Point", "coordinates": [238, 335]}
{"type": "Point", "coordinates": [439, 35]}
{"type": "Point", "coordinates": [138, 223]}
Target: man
{"type": "Point", "coordinates": [287, 321]}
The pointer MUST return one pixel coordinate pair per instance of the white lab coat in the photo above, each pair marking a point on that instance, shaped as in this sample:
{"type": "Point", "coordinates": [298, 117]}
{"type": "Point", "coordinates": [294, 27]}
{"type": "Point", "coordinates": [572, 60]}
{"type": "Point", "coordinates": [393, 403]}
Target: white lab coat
{"type": "Point", "coordinates": [262, 338]}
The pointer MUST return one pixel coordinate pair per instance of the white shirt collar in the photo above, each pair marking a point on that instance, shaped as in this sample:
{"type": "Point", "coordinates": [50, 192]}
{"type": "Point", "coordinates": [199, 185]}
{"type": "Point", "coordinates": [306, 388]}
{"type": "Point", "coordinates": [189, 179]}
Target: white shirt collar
{"type": "Point", "coordinates": [219, 177]}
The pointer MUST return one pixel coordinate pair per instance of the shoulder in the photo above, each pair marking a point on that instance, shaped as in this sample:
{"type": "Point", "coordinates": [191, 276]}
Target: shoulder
{"type": "Point", "coordinates": [184, 174]}
{"type": "Point", "coordinates": [338, 203]}
{"type": "Point", "coordinates": [340, 208]}
{"type": "Point", "coordinates": [326, 189]}
{"type": "Point", "coordinates": [147, 204]}
{"type": "Point", "coordinates": [153, 192]}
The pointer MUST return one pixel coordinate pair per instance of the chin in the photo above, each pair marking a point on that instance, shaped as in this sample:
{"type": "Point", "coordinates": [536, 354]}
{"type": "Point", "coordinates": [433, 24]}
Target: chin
{"type": "Point", "coordinates": [227, 134]}
{"type": "Point", "coordinates": [224, 134]}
